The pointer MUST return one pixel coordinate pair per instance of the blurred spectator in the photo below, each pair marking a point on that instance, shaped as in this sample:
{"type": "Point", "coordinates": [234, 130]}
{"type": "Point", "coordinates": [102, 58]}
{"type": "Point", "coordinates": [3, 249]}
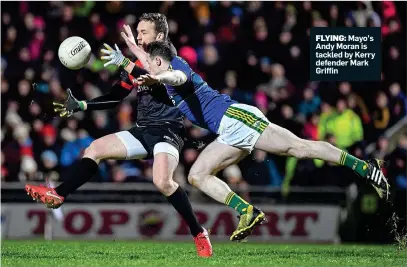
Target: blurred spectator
{"type": "Point", "coordinates": [355, 102]}
{"type": "Point", "coordinates": [311, 127]}
{"type": "Point", "coordinates": [396, 169]}
{"type": "Point", "coordinates": [236, 93]}
{"type": "Point", "coordinates": [49, 162]}
{"type": "Point", "coordinates": [28, 169]}
{"type": "Point", "coordinates": [263, 170]}
{"type": "Point", "coordinates": [381, 115]}
{"type": "Point", "coordinates": [382, 147]}
{"type": "Point", "coordinates": [73, 148]}
{"type": "Point", "coordinates": [397, 102]}
{"type": "Point", "coordinates": [348, 127]}
{"type": "Point", "coordinates": [288, 121]}
{"type": "Point", "coordinates": [310, 103]}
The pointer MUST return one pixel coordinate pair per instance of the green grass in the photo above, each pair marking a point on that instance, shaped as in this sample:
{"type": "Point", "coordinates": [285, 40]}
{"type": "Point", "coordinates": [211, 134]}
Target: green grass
{"type": "Point", "coordinates": [127, 253]}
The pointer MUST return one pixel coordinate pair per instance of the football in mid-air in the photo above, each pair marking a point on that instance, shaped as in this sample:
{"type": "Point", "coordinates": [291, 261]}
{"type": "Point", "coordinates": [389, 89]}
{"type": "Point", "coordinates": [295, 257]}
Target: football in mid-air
{"type": "Point", "coordinates": [74, 52]}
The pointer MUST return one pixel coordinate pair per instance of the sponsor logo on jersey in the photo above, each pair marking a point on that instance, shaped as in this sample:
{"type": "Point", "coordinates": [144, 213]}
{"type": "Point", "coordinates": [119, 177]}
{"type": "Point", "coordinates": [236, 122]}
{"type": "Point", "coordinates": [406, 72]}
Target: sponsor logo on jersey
{"type": "Point", "coordinates": [78, 48]}
{"type": "Point", "coordinates": [168, 138]}
{"type": "Point", "coordinates": [143, 88]}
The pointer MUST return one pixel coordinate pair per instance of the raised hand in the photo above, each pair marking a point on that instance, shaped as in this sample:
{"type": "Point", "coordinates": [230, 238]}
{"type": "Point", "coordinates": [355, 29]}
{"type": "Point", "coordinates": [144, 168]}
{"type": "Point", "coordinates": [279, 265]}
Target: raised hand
{"type": "Point", "coordinates": [114, 57]}
{"type": "Point", "coordinates": [128, 37]}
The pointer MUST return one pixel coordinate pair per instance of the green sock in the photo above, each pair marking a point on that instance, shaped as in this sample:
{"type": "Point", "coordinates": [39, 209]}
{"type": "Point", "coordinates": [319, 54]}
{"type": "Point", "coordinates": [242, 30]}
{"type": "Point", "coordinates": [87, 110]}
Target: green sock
{"type": "Point", "coordinates": [357, 165]}
{"type": "Point", "coordinates": [236, 202]}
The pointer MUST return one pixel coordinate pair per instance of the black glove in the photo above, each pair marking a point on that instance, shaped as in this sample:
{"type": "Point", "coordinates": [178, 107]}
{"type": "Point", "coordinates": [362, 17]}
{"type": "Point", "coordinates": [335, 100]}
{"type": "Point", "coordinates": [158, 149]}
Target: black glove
{"type": "Point", "coordinates": [70, 106]}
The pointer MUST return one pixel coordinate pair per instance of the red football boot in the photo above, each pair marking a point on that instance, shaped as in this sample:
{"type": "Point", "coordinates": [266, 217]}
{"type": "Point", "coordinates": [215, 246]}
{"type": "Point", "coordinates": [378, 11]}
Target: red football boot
{"type": "Point", "coordinates": [46, 195]}
{"type": "Point", "coordinates": [203, 244]}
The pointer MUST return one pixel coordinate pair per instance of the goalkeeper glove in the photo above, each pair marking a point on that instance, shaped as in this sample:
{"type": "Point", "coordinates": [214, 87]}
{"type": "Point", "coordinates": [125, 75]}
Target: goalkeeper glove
{"type": "Point", "coordinates": [115, 56]}
{"type": "Point", "coordinates": [70, 106]}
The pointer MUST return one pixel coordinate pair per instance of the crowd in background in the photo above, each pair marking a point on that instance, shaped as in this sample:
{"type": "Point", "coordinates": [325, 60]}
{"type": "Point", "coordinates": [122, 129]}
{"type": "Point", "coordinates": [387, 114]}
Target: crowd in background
{"type": "Point", "coordinates": [257, 52]}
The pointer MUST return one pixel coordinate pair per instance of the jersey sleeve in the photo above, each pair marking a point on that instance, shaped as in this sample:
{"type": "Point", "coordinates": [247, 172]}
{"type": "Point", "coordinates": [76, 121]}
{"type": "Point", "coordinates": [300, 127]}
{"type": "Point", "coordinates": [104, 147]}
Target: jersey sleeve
{"type": "Point", "coordinates": [136, 72]}
{"type": "Point", "coordinates": [180, 64]}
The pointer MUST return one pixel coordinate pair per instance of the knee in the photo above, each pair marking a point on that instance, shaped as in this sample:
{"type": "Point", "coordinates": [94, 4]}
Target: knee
{"type": "Point", "coordinates": [198, 173]}
{"type": "Point", "coordinates": [165, 185]}
{"type": "Point", "coordinates": [192, 179]}
{"type": "Point", "coordinates": [196, 178]}
{"type": "Point", "coordinates": [94, 151]}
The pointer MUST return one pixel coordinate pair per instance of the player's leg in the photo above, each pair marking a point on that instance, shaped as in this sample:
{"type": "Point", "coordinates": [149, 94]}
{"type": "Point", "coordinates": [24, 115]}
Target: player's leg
{"type": "Point", "coordinates": [112, 146]}
{"type": "Point", "coordinates": [121, 145]}
{"type": "Point", "coordinates": [165, 161]}
{"type": "Point", "coordinates": [278, 140]}
{"type": "Point", "coordinates": [215, 157]}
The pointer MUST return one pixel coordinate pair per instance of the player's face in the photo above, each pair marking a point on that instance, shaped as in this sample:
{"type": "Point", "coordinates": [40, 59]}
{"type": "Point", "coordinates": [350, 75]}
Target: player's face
{"type": "Point", "coordinates": [153, 65]}
{"type": "Point", "coordinates": [145, 33]}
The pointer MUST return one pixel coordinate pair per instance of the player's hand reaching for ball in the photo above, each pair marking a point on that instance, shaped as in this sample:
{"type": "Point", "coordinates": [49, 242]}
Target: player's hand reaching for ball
{"type": "Point", "coordinates": [69, 107]}
{"type": "Point", "coordinates": [147, 79]}
{"type": "Point", "coordinates": [114, 57]}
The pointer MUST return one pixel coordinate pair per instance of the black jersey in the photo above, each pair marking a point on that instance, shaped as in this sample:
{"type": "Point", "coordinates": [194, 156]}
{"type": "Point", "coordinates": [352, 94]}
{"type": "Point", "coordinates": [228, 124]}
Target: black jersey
{"type": "Point", "coordinates": [154, 107]}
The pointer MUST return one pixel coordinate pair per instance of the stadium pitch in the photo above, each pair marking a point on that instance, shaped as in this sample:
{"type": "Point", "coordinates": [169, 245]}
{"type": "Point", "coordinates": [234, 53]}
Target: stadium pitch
{"type": "Point", "coordinates": [148, 253]}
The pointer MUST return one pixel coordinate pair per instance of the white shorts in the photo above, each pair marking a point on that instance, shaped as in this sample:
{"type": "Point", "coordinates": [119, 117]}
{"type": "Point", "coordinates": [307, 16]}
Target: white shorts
{"type": "Point", "coordinates": [241, 126]}
{"type": "Point", "coordinates": [136, 150]}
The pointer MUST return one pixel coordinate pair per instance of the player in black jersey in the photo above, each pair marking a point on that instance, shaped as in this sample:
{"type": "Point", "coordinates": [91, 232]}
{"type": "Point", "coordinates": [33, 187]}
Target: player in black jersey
{"type": "Point", "coordinates": [159, 133]}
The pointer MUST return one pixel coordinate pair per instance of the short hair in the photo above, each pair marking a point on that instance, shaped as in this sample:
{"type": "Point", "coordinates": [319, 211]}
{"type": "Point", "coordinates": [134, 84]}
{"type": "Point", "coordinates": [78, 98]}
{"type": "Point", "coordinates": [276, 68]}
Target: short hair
{"type": "Point", "coordinates": [159, 20]}
{"type": "Point", "coordinates": [161, 49]}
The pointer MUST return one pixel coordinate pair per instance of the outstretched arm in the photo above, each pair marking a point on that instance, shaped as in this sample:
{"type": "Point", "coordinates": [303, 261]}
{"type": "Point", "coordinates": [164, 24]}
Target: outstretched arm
{"type": "Point", "coordinates": [173, 78]}
{"type": "Point", "coordinates": [120, 90]}
{"type": "Point", "coordinates": [115, 57]}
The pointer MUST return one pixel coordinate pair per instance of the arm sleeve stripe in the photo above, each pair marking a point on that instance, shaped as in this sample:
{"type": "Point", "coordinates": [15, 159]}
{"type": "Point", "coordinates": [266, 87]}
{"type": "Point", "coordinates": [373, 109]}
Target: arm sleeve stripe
{"type": "Point", "coordinates": [125, 85]}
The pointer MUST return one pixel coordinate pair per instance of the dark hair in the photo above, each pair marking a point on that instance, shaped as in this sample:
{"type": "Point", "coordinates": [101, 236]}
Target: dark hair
{"type": "Point", "coordinates": [159, 20]}
{"type": "Point", "coordinates": [160, 49]}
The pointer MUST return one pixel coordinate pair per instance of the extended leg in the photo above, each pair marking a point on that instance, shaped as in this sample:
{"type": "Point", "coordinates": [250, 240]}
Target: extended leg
{"type": "Point", "coordinates": [109, 146]}
{"type": "Point", "coordinates": [278, 140]}
{"type": "Point", "coordinates": [115, 146]}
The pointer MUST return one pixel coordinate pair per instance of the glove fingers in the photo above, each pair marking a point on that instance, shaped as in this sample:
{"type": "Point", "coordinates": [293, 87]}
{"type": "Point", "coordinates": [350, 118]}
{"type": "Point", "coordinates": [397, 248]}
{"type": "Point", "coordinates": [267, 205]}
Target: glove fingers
{"type": "Point", "coordinates": [108, 63]}
{"type": "Point", "coordinates": [104, 51]}
{"type": "Point", "coordinates": [65, 114]}
{"type": "Point", "coordinates": [117, 48]}
{"type": "Point", "coordinates": [106, 57]}
{"type": "Point", "coordinates": [56, 104]}
{"type": "Point", "coordinates": [108, 47]}
{"type": "Point", "coordinates": [59, 109]}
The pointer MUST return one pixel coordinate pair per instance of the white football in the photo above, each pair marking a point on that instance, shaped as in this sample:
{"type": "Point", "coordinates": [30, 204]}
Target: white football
{"type": "Point", "coordinates": [74, 52]}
